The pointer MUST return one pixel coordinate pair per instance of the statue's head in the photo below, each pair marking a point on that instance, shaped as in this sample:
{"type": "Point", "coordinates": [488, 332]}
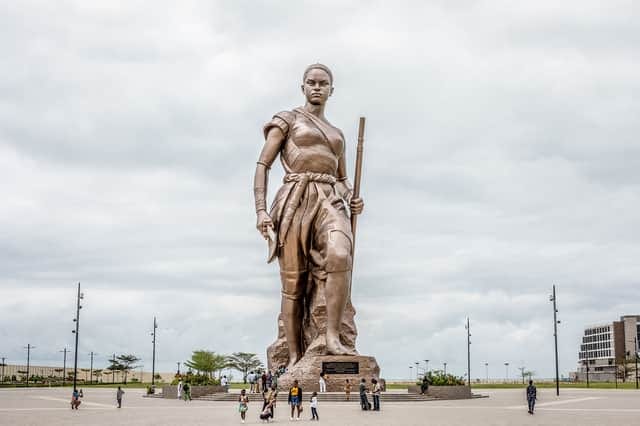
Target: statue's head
{"type": "Point", "coordinates": [317, 84]}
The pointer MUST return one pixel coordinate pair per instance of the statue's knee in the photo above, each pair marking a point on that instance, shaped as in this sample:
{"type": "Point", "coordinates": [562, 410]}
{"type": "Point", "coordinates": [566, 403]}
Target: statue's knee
{"type": "Point", "coordinates": [338, 252]}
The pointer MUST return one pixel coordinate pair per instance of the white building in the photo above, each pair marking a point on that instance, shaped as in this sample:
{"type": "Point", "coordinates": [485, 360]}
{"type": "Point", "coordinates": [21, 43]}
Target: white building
{"type": "Point", "coordinates": [604, 348]}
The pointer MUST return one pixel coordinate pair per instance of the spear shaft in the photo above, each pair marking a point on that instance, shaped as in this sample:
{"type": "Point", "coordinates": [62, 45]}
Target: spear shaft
{"type": "Point", "coordinates": [356, 182]}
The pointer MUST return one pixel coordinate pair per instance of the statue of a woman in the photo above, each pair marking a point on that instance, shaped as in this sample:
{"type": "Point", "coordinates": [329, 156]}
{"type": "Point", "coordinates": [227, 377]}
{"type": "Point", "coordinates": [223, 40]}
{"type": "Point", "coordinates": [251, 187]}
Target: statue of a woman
{"type": "Point", "coordinates": [308, 221]}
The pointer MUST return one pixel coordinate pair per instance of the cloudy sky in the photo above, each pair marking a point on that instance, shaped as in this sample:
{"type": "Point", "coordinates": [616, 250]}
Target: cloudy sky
{"type": "Point", "coordinates": [501, 157]}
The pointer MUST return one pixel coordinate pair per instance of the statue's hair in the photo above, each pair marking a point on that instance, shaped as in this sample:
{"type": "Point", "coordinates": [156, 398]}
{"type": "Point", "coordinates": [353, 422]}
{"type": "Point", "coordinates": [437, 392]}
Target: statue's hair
{"type": "Point", "coordinates": [318, 66]}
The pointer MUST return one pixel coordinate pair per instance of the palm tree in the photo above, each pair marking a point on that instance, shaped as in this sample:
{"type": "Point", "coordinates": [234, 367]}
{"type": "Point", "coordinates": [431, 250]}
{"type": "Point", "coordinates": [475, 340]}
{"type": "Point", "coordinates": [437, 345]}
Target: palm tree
{"type": "Point", "coordinates": [244, 362]}
{"type": "Point", "coordinates": [207, 362]}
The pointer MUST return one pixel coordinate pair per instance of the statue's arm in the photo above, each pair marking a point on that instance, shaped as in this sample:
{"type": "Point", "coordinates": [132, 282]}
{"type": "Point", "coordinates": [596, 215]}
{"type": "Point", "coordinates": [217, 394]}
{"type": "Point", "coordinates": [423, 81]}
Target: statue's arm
{"type": "Point", "coordinates": [270, 151]}
{"type": "Point", "coordinates": [344, 188]}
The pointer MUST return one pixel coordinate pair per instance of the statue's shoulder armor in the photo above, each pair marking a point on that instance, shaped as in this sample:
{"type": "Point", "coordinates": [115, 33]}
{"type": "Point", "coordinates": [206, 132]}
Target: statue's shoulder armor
{"type": "Point", "coordinates": [283, 120]}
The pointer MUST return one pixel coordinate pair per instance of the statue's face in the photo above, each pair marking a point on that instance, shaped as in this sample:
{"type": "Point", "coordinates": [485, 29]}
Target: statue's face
{"type": "Point", "coordinates": [317, 86]}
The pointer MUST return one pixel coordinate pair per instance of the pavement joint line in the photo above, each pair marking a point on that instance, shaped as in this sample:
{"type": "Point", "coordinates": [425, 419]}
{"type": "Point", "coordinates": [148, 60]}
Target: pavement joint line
{"type": "Point", "coordinates": [564, 401]}
{"type": "Point", "coordinates": [51, 398]}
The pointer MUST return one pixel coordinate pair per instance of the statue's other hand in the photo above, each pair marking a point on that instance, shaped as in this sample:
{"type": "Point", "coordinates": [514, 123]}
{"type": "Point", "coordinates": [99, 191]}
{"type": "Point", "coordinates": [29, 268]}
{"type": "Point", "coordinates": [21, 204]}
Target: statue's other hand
{"type": "Point", "coordinates": [263, 223]}
{"type": "Point", "coordinates": [357, 205]}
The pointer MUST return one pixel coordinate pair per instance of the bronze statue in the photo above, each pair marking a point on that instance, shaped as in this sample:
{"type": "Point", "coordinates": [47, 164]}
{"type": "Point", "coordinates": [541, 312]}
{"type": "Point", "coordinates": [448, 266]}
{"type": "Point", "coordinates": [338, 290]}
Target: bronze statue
{"type": "Point", "coordinates": [308, 226]}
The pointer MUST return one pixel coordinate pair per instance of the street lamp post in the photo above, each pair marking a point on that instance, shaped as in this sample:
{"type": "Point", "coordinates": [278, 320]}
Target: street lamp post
{"type": "Point", "coordinates": [587, 370]}
{"type": "Point", "coordinates": [153, 363]}
{"type": "Point", "coordinates": [506, 365]}
{"type": "Point", "coordinates": [76, 332]}
{"type": "Point", "coordinates": [178, 367]}
{"type": "Point", "coordinates": [28, 348]}
{"type": "Point", "coordinates": [64, 365]}
{"type": "Point", "coordinates": [426, 367]}
{"type": "Point", "coordinates": [417, 364]}
{"type": "Point", "coordinates": [555, 336]}
{"type": "Point", "coordinates": [468, 327]}
{"type": "Point", "coordinates": [113, 372]}
{"type": "Point", "coordinates": [2, 376]}
{"type": "Point", "coordinates": [91, 368]}
{"type": "Point", "coordinates": [445, 368]}
{"type": "Point", "coordinates": [410, 372]}
{"type": "Point", "coordinates": [635, 343]}
{"type": "Point", "coordinates": [486, 367]}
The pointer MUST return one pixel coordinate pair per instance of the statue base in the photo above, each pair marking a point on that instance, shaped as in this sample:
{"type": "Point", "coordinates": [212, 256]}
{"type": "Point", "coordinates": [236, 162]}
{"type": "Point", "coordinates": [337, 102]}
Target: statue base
{"type": "Point", "coordinates": [337, 368]}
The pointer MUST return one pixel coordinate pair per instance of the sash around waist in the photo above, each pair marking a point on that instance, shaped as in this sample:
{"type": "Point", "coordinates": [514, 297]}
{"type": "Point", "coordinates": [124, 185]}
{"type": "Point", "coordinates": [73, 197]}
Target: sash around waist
{"type": "Point", "coordinates": [309, 177]}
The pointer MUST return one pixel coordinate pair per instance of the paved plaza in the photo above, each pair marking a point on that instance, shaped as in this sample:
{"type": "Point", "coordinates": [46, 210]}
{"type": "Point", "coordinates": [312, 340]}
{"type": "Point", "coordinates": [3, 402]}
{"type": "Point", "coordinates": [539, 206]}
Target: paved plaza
{"type": "Point", "coordinates": [503, 407]}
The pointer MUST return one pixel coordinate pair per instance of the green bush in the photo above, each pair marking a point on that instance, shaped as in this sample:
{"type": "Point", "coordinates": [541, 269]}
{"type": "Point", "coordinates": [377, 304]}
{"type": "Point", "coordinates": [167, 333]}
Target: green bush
{"type": "Point", "coordinates": [195, 380]}
{"type": "Point", "coordinates": [439, 378]}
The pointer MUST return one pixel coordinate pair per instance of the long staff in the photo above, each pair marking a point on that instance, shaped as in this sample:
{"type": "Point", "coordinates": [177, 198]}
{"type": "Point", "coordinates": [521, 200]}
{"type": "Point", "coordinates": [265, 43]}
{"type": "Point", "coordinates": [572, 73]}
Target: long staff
{"type": "Point", "coordinates": [356, 182]}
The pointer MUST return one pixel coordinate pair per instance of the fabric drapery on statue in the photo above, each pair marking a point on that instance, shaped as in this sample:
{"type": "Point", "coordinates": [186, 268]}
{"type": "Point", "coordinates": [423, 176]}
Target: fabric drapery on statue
{"type": "Point", "coordinates": [308, 227]}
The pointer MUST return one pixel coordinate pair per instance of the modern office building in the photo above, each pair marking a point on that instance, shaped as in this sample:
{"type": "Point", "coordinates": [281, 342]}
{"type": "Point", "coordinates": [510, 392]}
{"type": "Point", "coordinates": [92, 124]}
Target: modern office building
{"type": "Point", "coordinates": [605, 346]}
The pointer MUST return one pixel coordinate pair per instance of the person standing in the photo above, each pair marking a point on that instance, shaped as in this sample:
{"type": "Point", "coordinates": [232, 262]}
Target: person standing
{"type": "Point", "coordinates": [180, 385]}
{"type": "Point", "coordinates": [376, 394]}
{"type": "Point", "coordinates": [322, 382]}
{"type": "Point", "coordinates": [314, 406]}
{"type": "Point", "coordinates": [364, 401]}
{"type": "Point", "coordinates": [225, 383]}
{"type": "Point", "coordinates": [251, 379]}
{"type": "Point", "coordinates": [263, 381]}
{"type": "Point", "coordinates": [295, 399]}
{"type": "Point", "coordinates": [424, 387]}
{"type": "Point", "coordinates": [347, 390]}
{"type": "Point", "coordinates": [243, 404]}
{"type": "Point", "coordinates": [269, 380]}
{"type": "Point", "coordinates": [531, 396]}
{"type": "Point", "coordinates": [119, 394]}
{"type": "Point", "coordinates": [186, 390]}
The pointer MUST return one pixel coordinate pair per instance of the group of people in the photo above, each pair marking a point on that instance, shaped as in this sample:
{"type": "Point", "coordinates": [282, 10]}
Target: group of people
{"type": "Point", "coordinates": [295, 399]}
{"type": "Point", "coordinates": [262, 381]}
{"type": "Point", "coordinates": [375, 391]}
{"type": "Point", "coordinates": [77, 394]}
{"type": "Point", "coordinates": [184, 391]}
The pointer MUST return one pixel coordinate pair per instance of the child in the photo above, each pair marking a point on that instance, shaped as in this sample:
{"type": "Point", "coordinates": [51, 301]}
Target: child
{"type": "Point", "coordinates": [267, 413]}
{"type": "Point", "coordinates": [243, 404]}
{"type": "Point", "coordinates": [314, 406]}
{"type": "Point", "coordinates": [347, 390]}
{"type": "Point", "coordinates": [323, 383]}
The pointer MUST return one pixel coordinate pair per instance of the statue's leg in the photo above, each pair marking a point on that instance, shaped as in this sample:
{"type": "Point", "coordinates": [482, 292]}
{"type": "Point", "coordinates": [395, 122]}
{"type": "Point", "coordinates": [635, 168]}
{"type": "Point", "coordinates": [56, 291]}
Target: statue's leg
{"type": "Point", "coordinates": [293, 284]}
{"type": "Point", "coordinates": [293, 274]}
{"type": "Point", "coordinates": [338, 268]}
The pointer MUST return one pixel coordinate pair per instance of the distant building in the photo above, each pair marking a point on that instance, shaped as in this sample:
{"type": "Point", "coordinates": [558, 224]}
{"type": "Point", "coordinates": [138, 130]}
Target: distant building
{"type": "Point", "coordinates": [606, 346]}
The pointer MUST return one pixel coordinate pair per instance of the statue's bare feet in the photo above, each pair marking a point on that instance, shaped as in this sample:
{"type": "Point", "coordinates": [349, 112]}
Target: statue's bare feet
{"type": "Point", "coordinates": [335, 347]}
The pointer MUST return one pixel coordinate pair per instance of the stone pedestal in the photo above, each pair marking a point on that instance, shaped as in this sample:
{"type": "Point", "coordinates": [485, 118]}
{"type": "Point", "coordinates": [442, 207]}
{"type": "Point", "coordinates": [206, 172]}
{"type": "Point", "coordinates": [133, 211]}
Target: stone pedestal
{"type": "Point", "coordinates": [307, 372]}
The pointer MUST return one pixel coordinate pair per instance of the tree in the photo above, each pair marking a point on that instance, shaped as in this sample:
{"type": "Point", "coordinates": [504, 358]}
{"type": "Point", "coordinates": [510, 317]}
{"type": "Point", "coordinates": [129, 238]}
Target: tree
{"type": "Point", "coordinates": [127, 363]}
{"type": "Point", "coordinates": [244, 362]}
{"type": "Point", "coordinates": [207, 362]}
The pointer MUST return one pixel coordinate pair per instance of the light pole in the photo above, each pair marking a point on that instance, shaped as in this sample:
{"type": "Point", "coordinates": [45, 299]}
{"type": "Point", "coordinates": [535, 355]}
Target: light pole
{"type": "Point", "coordinates": [28, 348]}
{"type": "Point", "coordinates": [635, 343]}
{"type": "Point", "coordinates": [113, 372]}
{"type": "Point", "coordinates": [468, 327]}
{"type": "Point", "coordinates": [417, 364]}
{"type": "Point", "coordinates": [410, 372]}
{"type": "Point", "coordinates": [153, 362]}
{"type": "Point", "coordinates": [555, 336]}
{"type": "Point", "coordinates": [2, 376]}
{"type": "Point", "coordinates": [178, 367]}
{"type": "Point", "coordinates": [64, 365]}
{"type": "Point", "coordinates": [445, 368]}
{"type": "Point", "coordinates": [91, 368]}
{"type": "Point", "coordinates": [506, 365]}
{"type": "Point", "coordinates": [426, 367]}
{"type": "Point", "coordinates": [486, 367]}
{"type": "Point", "coordinates": [76, 332]}
{"type": "Point", "coordinates": [587, 369]}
